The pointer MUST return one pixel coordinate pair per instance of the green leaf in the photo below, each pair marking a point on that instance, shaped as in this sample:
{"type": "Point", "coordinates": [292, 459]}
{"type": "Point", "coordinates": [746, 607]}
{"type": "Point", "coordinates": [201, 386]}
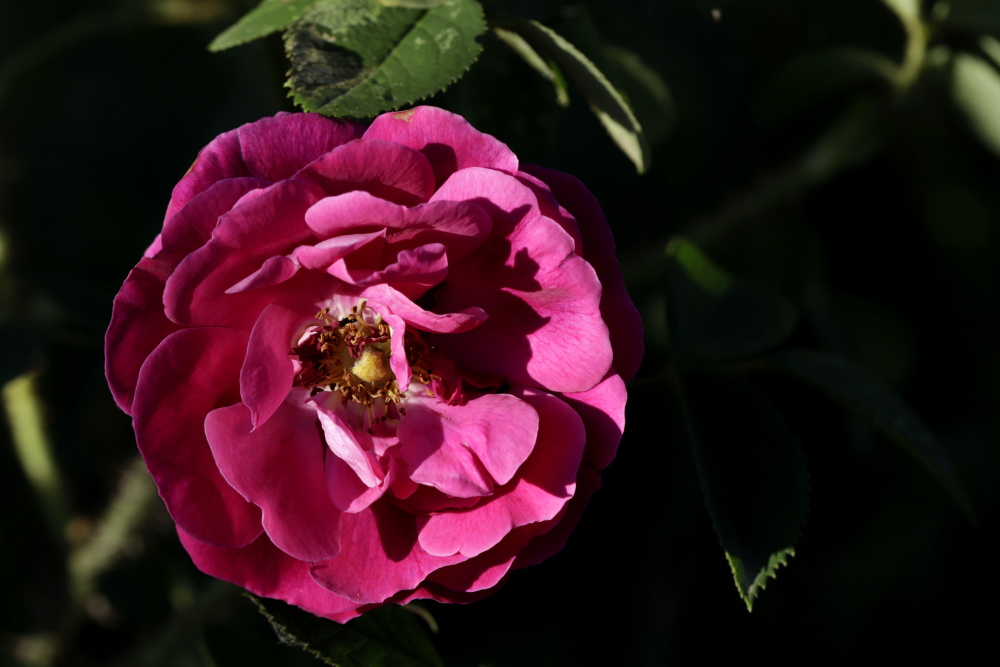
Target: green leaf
{"type": "Point", "coordinates": [357, 59]}
{"type": "Point", "coordinates": [605, 101]}
{"type": "Point", "coordinates": [388, 636]}
{"type": "Point", "coordinates": [269, 16]}
{"type": "Point", "coordinates": [870, 399]}
{"type": "Point", "coordinates": [976, 87]}
{"type": "Point", "coordinates": [411, 4]}
{"type": "Point", "coordinates": [753, 475]}
{"type": "Point", "coordinates": [907, 10]}
{"type": "Point", "coordinates": [546, 68]}
{"type": "Point", "coordinates": [715, 318]}
{"type": "Point", "coordinates": [645, 90]}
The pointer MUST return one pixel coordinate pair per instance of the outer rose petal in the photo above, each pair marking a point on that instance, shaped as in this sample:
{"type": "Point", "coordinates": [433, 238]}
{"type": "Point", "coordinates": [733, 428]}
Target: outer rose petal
{"type": "Point", "coordinates": [255, 229]}
{"type": "Point", "coordinates": [137, 327]}
{"type": "Point", "coordinates": [191, 373]}
{"type": "Point", "coordinates": [265, 570]}
{"type": "Point", "coordinates": [279, 468]}
{"type": "Point", "coordinates": [379, 556]}
{"type": "Point", "coordinates": [603, 411]}
{"type": "Point", "coordinates": [448, 141]}
{"type": "Point", "coordinates": [621, 315]}
{"type": "Point", "coordinates": [271, 149]}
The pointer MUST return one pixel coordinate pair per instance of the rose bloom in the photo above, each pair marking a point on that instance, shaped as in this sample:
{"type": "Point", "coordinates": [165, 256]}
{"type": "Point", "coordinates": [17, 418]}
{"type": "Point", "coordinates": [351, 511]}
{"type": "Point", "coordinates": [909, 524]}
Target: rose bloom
{"type": "Point", "coordinates": [374, 364]}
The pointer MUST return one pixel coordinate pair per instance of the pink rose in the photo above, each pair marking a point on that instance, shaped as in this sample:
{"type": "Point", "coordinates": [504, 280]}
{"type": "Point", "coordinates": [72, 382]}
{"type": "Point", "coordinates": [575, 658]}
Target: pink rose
{"type": "Point", "coordinates": [370, 365]}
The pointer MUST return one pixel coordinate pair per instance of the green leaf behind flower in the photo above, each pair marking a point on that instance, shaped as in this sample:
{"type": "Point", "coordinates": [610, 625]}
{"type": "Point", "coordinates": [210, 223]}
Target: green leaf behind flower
{"type": "Point", "coordinates": [268, 17]}
{"type": "Point", "coordinates": [610, 107]}
{"type": "Point", "coordinates": [389, 636]}
{"type": "Point", "coordinates": [870, 399]}
{"type": "Point", "coordinates": [975, 85]}
{"type": "Point", "coordinates": [716, 318]}
{"type": "Point", "coordinates": [753, 474]}
{"type": "Point", "coordinates": [357, 58]}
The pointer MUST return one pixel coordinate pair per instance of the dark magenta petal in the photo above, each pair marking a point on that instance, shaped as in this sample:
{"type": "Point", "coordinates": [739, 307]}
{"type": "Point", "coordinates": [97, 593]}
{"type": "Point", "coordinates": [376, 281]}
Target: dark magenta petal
{"type": "Point", "coordinates": [551, 541]}
{"type": "Point", "coordinates": [279, 468]}
{"type": "Point", "coordinates": [622, 317]}
{"type": "Point", "coordinates": [138, 325]}
{"type": "Point", "coordinates": [603, 411]}
{"type": "Point", "coordinates": [386, 170]}
{"type": "Point", "coordinates": [265, 570]}
{"type": "Point", "coordinates": [543, 486]}
{"type": "Point", "coordinates": [271, 149]}
{"type": "Point", "coordinates": [448, 141]}
{"type": "Point", "coordinates": [267, 372]}
{"type": "Point", "coordinates": [191, 373]}
{"type": "Point", "coordinates": [270, 223]}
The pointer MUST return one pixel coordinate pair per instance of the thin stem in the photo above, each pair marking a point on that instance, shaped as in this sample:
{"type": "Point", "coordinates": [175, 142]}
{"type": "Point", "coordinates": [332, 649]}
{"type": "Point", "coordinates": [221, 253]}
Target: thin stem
{"type": "Point", "coordinates": [25, 415]}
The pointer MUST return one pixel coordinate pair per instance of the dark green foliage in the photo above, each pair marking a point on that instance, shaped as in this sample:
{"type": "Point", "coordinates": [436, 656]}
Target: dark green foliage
{"type": "Point", "coordinates": [386, 637]}
{"type": "Point", "coordinates": [753, 474]}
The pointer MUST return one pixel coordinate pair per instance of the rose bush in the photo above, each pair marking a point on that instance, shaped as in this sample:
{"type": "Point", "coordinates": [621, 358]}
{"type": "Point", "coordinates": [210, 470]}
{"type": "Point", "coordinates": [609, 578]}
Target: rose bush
{"type": "Point", "coordinates": [373, 364]}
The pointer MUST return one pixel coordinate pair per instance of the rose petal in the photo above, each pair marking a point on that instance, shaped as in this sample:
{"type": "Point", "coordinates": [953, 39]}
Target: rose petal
{"type": "Point", "coordinates": [621, 315]}
{"type": "Point", "coordinates": [543, 487]}
{"type": "Point", "coordinates": [137, 326]}
{"type": "Point", "coordinates": [265, 570]}
{"type": "Point", "coordinates": [345, 443]}
{"type": "Point", "coordinates": [267, 372]}
{"type": "Point", "coordinates": [271, 149]}
{"type": "Point", "coordinates": [191, 227]}
{"type": "Point", "coordinates": [450, 447]}
{"type": "Point", "coordinates": [251, 232]}
{"type": "Point", "coordinates": [379, 557]}
{"type": "Point", "coordinates": [603, 411]}
{"type": "Point", "coordinates": [543, 299]}
{"type": "Point", "coordinates": [460, 226]}
{"type": "Point", "coordinates": [279, 468]}
{"type": "Point", "coordinates": [192, 372]}
{"type": "Point", "coordinates": [387, 170]}
{"type": "Point", "coordinates": [448, 140]}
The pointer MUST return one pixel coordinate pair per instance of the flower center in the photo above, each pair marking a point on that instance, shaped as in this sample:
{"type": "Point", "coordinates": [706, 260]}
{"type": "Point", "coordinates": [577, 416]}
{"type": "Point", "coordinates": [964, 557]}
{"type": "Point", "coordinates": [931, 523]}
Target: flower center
{"type": "Point", "coordinates": [350, 356]}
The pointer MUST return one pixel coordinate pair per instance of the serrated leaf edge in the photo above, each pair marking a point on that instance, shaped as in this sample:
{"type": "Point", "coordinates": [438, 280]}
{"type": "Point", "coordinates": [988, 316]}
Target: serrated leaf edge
{"type": "Point", "coordinates": [777, 560]}
{"type": "Point", "coordinates": [295, 97]}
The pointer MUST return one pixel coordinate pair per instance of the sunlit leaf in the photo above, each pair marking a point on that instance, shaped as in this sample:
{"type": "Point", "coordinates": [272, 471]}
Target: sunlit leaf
{"type": "Point", "coordinates": [411, 4]}
{"type": "Point", "coordinates": [976, 87]}
{"type": "Point", "coordinates": [870, 399]}
{"type": "Point", "coordinates": [645, 90]}
{"type": "Point", "coordinates": [544, 67]}
{"type": "Point", "coordinates": [389, 636]}
{"type": "Point", "coordinates": [907, 10]}
{"type": "Point", "coordinates": [753, 475]}
{"type": "Point", "coordinates": [269, 16]}
{"type": "Point", "coordinates": [715, 318]}
{"type": "Point", "coordinates": [357, 59]}
{"type": "Point", "coordinates": [605, 101]}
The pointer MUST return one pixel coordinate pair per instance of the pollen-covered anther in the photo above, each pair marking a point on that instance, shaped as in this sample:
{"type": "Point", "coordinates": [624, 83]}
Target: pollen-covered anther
{"type": "Point", "coordinates": [350, 356]}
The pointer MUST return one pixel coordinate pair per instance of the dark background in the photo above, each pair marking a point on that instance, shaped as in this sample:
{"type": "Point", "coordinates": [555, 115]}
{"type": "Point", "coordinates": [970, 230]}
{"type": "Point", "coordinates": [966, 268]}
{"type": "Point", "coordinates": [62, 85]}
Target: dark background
{"type": "Point", "coordinates": [890, 255]}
